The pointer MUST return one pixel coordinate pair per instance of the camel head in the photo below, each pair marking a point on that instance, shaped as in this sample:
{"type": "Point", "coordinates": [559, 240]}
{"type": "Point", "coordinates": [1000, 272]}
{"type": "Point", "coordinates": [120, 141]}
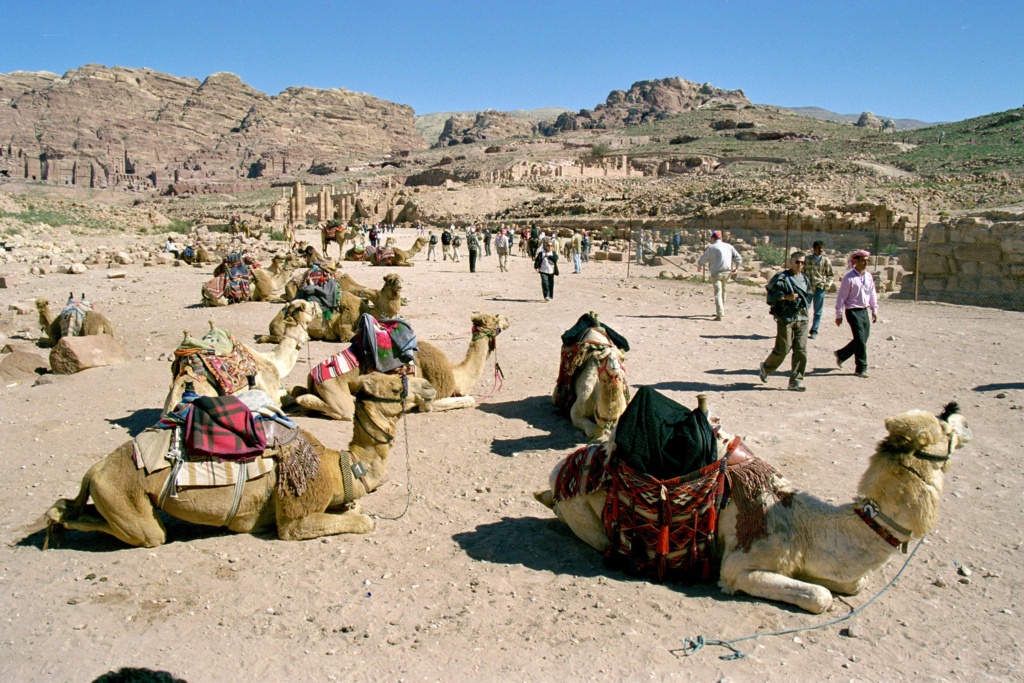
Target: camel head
{"type": "Point", "coordinates": [951, 416]}
{"type": "Point", "coordinates": [918, 431]}
{"type": "Point", "coordinates": [297, 316]}
{"type": "Point", "coordinates": [393, 281]}
{"type": "Point", "coordinates": [390, 392]}
{"type": "Point", "coordinates": [489, 326]}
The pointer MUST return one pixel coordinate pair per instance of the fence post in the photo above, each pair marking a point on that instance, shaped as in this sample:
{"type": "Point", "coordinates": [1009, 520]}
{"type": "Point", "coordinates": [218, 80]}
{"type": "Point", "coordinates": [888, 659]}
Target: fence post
{"type": "Point", "coordinates": [785, 257]}
{"type": "Point", "coordinates": [917, 264]}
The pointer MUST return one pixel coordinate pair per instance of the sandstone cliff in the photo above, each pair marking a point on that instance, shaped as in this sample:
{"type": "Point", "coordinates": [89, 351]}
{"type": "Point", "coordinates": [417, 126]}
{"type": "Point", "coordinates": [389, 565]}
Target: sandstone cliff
{"type": "Point", "coordinates": [101, 126]}
{"type": "Point", "coordinates": [487, 125]}
{"type": "Point", "coordinates": [647, 101]}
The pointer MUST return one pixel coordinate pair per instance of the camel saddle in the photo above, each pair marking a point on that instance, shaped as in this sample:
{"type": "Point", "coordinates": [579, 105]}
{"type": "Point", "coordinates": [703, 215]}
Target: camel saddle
{"type": "Point", "coordinates": [383, 345]}
{"type": "Point", "coordinates": [380, 256]}
{"type": "Point", "coordinates": [218, 355]}
{"type": "Point", "coordinates": [72, 315]}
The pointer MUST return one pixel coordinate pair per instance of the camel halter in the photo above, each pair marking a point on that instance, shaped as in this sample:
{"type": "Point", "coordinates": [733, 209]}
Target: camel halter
{"type": "Point", "coordinates": [492, 346]}
{"type": "Point", "coordinates": [377, 399]}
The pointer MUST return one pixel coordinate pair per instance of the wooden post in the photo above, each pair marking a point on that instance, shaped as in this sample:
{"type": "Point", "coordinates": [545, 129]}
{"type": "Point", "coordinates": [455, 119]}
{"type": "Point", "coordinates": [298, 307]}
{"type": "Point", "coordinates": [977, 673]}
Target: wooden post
{"type": "Point", "coordinates": [917, 265]}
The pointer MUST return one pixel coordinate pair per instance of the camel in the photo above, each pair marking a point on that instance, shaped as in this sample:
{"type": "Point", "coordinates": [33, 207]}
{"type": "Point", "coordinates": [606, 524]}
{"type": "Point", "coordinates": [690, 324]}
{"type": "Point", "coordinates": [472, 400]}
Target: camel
{"type": "Point", "coordinates": [402, 256]}
{"type": "Point", "coordinates": [339, 236]}
{"type": "Point", "coordinates": [382, 303]}
{"type": "Point", "coordinates": [272, 367]}
{"type": "Point", "coordinates": [599, 386]}
{"type": "Point", "coordinates": [452, 383]}
{"type": "Point", "coordinates": [125, 499]}
{"type": "Point", "coordinates": [267, 281]}
{"type": "Point", "coordinates": [93, 322]}
{"type": "Point", "coordinates": [812, 548]}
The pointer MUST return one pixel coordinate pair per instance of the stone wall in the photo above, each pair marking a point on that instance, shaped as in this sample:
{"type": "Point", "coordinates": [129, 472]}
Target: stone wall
{"type": "Point", "coordinates": [970, 261]}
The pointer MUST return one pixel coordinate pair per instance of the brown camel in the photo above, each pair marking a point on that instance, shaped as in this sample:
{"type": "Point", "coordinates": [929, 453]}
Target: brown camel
{"type": "Point", "coordinates": [272, 367]}
{"type": "Point", "coordinates": [811, 547]}
{"type": "Point", "coordinates": [339, 236]}
{"type": "Point", "coordinates": [93, 322]}
{"type": "Point", "coordinates": [268, 281]}
{"type": "Point", "coordinates": [124, 497]}
{"type": "Point", "coordinates": [382, 303]}
{"type": "Point", "coordinates": [402, 256]}
{"type": "Point", "coordinates": [453, 383]}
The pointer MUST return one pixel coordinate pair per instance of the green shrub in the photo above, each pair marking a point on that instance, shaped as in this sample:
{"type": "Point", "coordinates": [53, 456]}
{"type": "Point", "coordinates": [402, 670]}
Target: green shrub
{"type": "Point", "coordinates": [179, 226]}
{"type": "Point", "coordinates": [890, 250]}
{"type": "Point", "coordinates": [770, 255]}
{"type": "Point", "coordinates": [277, 236]}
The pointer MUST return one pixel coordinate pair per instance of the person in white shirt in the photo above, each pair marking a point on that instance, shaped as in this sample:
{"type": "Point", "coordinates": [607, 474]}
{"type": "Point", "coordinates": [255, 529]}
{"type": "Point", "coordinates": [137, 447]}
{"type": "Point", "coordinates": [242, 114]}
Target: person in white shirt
{"type": "Point", "coordinates": [723, 261]}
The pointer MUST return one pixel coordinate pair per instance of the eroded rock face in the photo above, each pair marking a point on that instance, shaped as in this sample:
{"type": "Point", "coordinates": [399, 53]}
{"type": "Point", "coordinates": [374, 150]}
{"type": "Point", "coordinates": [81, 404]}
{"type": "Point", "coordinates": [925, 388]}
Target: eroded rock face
{"type": "Point", "coordinates": [487, 125]}
{"type": "Point", "coordinates": [647, 101]}
{"type": "Point", "coordinates": [95, 124]}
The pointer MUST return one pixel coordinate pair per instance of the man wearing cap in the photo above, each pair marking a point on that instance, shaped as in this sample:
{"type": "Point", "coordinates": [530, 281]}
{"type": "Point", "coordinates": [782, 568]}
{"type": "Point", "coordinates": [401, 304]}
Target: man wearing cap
{"type": "Point", "coordinates": [722, 260]}
{"type": "Point", "coordinates": [789, 295]}
{"type": "Point", "coordinates": [819, 272]}
{"type": "Point", "coordinates": [857, 295]}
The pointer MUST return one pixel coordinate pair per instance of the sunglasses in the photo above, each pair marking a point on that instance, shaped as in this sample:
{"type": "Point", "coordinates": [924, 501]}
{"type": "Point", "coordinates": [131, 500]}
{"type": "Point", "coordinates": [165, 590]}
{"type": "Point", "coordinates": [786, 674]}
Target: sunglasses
{"type": "Point", "coordinates": [801, 262]}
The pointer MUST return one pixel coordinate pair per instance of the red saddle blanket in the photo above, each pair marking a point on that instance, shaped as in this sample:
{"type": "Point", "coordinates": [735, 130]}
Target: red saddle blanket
{"type": "Point", "coordinates": [230, 371]}
{"type": "Point", "coordinates": [223, 427]}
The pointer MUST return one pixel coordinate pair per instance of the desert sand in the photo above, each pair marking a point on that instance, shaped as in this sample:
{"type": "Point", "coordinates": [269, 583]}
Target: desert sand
{"type": "Point", "coordinates": [466, 577]}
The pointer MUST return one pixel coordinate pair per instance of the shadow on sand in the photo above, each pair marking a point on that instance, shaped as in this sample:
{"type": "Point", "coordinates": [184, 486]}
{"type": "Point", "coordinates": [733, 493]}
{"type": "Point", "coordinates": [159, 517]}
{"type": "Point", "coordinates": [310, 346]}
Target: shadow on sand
{"type": "Point", "coordinates": [538, 413]}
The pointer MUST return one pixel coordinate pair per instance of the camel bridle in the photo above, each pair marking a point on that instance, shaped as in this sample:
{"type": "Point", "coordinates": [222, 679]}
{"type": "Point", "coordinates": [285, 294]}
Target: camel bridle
{"type": "Point", "coordinates": [492, 347]}
{"type": "Point", "coordinates": [378, 399]}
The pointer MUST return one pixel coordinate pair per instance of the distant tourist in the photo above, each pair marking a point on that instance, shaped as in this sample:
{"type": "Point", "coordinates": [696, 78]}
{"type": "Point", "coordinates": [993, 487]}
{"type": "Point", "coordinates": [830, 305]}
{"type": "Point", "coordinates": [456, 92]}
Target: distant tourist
{"type": "Point", "coordinates": [722, 260]}
{"type": "Point", "coordinates": [819, 271]}
{"type": "Point", "coordinates": [431, 245]}
{"type": "Point", "coordinates": [546, 263]}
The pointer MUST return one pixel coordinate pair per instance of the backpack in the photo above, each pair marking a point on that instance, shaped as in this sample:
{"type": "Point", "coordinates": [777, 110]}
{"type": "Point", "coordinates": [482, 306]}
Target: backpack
{"type": "Point", "coordinates": [457, 241]}
{"type": "Point", "coordinates": [433, 239]}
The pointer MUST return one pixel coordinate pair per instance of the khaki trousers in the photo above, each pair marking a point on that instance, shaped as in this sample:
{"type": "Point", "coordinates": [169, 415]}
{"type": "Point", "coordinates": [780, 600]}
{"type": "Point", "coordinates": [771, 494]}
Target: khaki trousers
{"type": "Point", "coordinates": [789, 336]}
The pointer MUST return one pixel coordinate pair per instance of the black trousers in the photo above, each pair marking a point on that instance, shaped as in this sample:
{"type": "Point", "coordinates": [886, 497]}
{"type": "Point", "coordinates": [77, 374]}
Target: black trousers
{"type": "Point", "coordinates": [472, 260]}
{"type": "Point", "coordinates": [547, 285]}
{"type": "Point", "coordinates": [860, 324]}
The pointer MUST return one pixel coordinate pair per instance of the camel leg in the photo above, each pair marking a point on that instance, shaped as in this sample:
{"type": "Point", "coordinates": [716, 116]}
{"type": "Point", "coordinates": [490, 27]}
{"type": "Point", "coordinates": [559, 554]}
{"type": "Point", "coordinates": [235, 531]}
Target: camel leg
{"type": "Point", "coordinates": [332, 398]}
{"type": "Point", "coordinates": [772, 586]}
{"type": "Point", "coordinates": [587, 425]}
{"type": "Point", "coordinates": [841, 587]}
{"type": "Point", "coordinates": [452, 403]}
{"type": "Point", "coordinates": [546, 498]}
{"type": "Point", "coordinates": [583, 515]}
{"type": "Point", "coordinates": [320, 524]}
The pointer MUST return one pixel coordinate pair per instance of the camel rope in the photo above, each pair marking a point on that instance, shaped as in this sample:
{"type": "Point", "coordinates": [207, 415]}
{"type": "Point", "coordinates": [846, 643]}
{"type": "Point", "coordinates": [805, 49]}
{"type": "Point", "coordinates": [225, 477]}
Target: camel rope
{"type": "Point", "coordinates": [408, 475]}
{"type": "Point", "coordinates": [693, 645]}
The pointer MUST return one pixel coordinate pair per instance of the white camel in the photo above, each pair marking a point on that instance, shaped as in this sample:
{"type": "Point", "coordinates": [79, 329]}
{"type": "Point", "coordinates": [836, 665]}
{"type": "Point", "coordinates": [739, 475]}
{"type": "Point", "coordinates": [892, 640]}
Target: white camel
{"type": "Point", "coordinates": [812, 548]}
{"type": "Point", "coordinates": [599, 385]}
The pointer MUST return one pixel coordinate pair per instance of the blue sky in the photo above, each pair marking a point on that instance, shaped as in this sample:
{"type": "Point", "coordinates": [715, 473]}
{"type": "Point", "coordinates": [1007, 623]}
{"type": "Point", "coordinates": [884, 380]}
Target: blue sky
{"type": "Point", "coordinates": [939, 60]}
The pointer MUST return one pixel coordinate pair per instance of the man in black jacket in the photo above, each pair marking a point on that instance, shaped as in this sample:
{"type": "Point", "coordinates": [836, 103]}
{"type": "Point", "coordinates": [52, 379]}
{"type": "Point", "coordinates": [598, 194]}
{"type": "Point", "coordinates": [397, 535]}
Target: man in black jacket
{"type": "Point", "coordinates": [789, 295]}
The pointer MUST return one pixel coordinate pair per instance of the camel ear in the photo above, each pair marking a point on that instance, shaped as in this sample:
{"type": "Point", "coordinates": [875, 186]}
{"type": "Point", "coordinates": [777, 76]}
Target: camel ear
{"type": "Point", "coordinates": [915, 428]}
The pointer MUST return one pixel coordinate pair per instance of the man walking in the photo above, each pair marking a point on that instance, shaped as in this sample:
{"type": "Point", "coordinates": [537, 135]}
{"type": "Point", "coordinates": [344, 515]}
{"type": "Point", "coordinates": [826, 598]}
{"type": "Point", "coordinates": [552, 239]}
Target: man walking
{"type": "Point", "coordinates": [819, 273]}
{"type": "Point", "coordinates": [857, 295]}
{"type": "Point", "coordinates": [577, 250]}
{"type": "Point", "coordinates": [446, 244]}
{"type": "Point", "coordinates": [502, 246]}
{"type": "Point", "coordinates": [431, 245]}
{"type": "Point", "coordinates": [789, 295]}
{"type": "Point", "coordinates": [473, 246]}
{"type": "Point", "coordinates": [486, 237]}
{"type": "Point", "coordinates": [722, 260]}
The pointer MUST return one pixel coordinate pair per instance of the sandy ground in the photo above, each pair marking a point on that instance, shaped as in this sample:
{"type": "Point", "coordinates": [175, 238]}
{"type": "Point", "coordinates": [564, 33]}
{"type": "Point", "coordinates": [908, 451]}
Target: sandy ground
{"type": "Point", "coordinates": [477, 581]}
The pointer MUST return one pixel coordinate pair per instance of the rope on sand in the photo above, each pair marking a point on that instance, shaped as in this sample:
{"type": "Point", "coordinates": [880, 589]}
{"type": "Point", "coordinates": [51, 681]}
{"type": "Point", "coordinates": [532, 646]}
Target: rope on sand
{"type": "Point", "coordinates": [693, 645]}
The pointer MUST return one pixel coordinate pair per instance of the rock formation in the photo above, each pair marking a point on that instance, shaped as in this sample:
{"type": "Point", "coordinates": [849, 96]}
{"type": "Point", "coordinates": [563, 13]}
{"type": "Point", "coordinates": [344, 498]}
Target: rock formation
{"type": "Point", "coordinates": [488, 125]}
{"type": "Point", "coordinates": [97, 127]}
{"type": "Point", "coordinates": [647, 101]}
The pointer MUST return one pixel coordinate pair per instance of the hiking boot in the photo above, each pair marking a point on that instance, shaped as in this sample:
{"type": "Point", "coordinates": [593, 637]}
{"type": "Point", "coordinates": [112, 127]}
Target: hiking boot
{"type": "Point", "coordinates": [863, 374]}
{"type": "Point", "coordinates": [797, 386]}
{"type": "Point", "coordinates": [762, 373]}
{"type": "Point", "coordinates": [812, 335]}
{"type": "Point", "coordinates": [839, 363]}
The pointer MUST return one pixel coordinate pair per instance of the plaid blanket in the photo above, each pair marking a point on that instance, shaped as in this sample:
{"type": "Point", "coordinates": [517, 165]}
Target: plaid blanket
{"type": "Point", "coordinates": [329, 231]}
{"type": "Point", "coordinates": [584, 471]}
{"type": "Point", "coordinates": [223, 427]}
{"type": "Point", "coordinates": [333, 366]}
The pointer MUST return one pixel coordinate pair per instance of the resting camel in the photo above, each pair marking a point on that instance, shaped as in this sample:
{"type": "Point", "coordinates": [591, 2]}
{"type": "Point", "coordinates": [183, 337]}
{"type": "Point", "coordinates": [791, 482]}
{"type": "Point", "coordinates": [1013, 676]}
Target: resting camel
{"type": "Point", "coordinates": [452, 383]}
{"type": "Point", "coordinates": [811, 547]}
{"type": "Point", "coordinates": [124, 498]}
{"type": "Point", "coordinates": [267, 281]}
{"type": "Point", "coordinates": [272, 366]}
{"type": "Point", "coordinates": [382, 303]}
{"type": "Point", "coordinates": [403, 257]}
{"type": "Point", "coordinates": [599, 386]}
{"type": "Point", "coordinates": [93, 322]}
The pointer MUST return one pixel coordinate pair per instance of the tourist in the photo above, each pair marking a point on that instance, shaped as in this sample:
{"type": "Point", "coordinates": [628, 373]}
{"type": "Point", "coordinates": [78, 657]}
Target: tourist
{"type": "Point", "coordinates": [473, 247]}
{"type": "Point", "coordinates": [577, 251]}
{"type": "Point", "coordinates": [502, 246]}
{"type": "Point", "coordinates": [789, 295]}
{"type": "Point", "coordinates": [677, 241]}
{"type": "Point", "coordinates": [585, 256]}
{"type": "Point", "coordinates": [546, 263]}
{"type": "Point", "coordinates": [446, 244]}
{"type": "Point", "coordinates": [533, 244]}
{"type": "Point", "coordinates": [456, 243]}
{"type": "Point", "coordinates": [485, 236]}
{"type": "Point", "coordinates": [723, 261]}
{"type": "Point", "coordinates": [431, 245]}
{"type": "Point", "coordinates": [819, 273]}
{"type": "Point", "coordinates": [857, 295]}
{"type": "Point", "coordinates": [171, 248]}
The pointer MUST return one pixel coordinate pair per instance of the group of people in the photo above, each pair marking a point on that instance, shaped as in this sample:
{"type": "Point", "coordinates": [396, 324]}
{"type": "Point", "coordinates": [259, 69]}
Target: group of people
{"type": "Point", "coordinates": [796, 297]}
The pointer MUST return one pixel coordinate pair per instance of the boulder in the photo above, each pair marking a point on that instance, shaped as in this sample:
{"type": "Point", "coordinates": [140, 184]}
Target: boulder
{"type": "Point", "coordinates": [74, 354]}
{"type": "Point", "coordinates": [20, 365]}
{"type": "Point", "coordinates": [77, 268]}
{"type": "Point", "coordinates": [7, 281]}
{"type": "Point", "coordinates": [123, 258]}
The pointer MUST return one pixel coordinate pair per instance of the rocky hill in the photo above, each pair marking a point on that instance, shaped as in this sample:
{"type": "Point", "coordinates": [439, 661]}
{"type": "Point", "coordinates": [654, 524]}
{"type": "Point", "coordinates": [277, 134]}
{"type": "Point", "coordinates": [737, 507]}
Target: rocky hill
{"type": "Point", "coordinates": [826, 115]}
{"type": "Point", "coordinates": [645, 102]}
{"type": "Point", "coordinates": [430, 126]}
{"type": "Point", "coordinates": [487, 125]}
{"type": "Point", "coordinates": [106, 126]}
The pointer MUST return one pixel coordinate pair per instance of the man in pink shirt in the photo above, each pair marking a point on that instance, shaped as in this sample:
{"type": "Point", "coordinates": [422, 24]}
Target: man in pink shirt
{"type": "Point", "coordinates": [856, 296]}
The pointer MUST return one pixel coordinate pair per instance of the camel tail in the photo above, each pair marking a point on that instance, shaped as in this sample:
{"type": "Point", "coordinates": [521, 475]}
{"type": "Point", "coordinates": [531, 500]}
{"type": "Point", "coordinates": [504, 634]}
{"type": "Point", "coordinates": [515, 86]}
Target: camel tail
{"type": "Point", "coordinates": [65, 509]}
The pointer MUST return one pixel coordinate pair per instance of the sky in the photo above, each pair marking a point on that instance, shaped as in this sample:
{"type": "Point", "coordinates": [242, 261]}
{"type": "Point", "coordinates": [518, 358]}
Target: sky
{"type": "Point", "coordinates": [934, 60]}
